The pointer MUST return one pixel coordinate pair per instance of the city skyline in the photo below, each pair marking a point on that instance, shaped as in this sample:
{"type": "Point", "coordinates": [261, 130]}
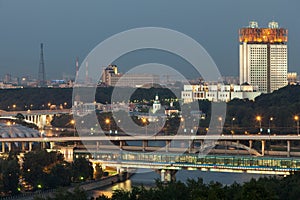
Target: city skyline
{"type": "Point", "coordinates": [71, 28]}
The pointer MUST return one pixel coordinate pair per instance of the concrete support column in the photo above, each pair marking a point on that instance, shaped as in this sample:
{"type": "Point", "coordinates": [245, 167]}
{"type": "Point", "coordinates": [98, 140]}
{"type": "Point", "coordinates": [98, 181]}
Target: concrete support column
{"type": "Point", "coordinates": [201, 143]}
{"type": "Point", "coordinates": [122, 174]}
{"type": "Point", "coordinates": [98, 145]}
{"type": "Point", "coordinates": [43, 145]}
{"type": "Point", "coordinates": [167, 175]}
{"type": "Point", "coordinates": [263, 145]}
{"type": "Point", "coordinates": [36, 120]}
{"type": "Point", "coordinates": [23, 146]}
{"type": "Point", "coordinates": [288, 148]}
{"type": "Point", "coordinates": [52, 145]}
{"type": "Point", "coordinates": [9, 146]}
{"type": "Point", "coordinates": [191, 146]}
{"type": "Point", "coordinates": [30, 146]}
{"type": "Point", "coordinates": [145, 144]}
{"type": "Point", "coordinates": [168, 144]}
{"type": "Point", "coordinates": [162, 175]}
{"type": "Point", "coordinates": [3, 147]}
{"type": "Point", "coordinates": [121, 144]}
{"type": "Point", "coordinates": [250, 144]}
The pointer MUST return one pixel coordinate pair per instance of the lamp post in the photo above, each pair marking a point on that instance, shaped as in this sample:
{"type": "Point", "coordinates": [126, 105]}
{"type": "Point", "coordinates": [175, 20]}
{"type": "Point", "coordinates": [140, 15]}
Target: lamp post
{"type": "Point", "coordinates": [73, 123]}
{"type": "Point", "coordinates": [220, 119]}
{"type": "Point", "coordinates": [183, 125]}
{"type": "Point", "coordinates": [270, 120]}
{"type": "Point", "coordinates": [144, 120]}
{"type": "Point", "coordinates": [258, 118]}
{"type": "Point", "coordinates": [296, 118]}
{"type": "Point", "coordinates": [232, 120]}
{"type": "Point", "coordinates": [107, 122]}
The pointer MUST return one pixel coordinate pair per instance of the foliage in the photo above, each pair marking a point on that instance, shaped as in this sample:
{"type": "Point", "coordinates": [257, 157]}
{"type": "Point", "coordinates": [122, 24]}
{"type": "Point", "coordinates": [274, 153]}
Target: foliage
{"type": "Point", "coordinates": [82, 169]}
{"type": "Point", "coordinates": [62, 121]}
{"type": "Point", "coordinates": [9, 174]}
{"type": "Point", "coordinates": [42, 169]}
{"type": "Point", "coordinates": [77, 194]}
{"type": "Point", "coordinates": [261, 189]}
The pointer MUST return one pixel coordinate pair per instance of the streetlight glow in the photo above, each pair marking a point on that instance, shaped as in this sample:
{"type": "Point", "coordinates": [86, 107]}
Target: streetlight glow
{"type": "Point", "coordinates": [107, 122]}
{"type": "Point", "coordinates": [296, 118]}
{"type": "Point", "coordinates": [258, 118]}
{"type": "Point", "coordinates": [144, 120]}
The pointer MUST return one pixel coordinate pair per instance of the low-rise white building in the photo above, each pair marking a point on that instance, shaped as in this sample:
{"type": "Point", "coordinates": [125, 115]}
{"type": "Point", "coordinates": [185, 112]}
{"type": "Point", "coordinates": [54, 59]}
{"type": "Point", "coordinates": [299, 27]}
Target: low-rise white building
{"type": "Point", "coordinates": [218, 92]}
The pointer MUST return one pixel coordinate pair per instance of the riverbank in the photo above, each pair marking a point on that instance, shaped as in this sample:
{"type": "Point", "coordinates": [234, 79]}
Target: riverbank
{"type": "Point", "coordinates": [87, 186]}
{"type": "Point", "coordinates": [147, 179]}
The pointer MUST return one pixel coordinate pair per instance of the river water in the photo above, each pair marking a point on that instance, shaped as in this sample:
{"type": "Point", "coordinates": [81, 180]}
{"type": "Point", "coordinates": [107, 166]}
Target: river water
{"type": "Point", "coordinates": [147, 178]}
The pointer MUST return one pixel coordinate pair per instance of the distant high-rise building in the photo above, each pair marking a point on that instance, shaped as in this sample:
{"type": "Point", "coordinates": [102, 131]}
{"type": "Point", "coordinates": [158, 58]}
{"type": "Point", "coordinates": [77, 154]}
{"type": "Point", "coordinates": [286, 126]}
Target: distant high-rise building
{"type": "Point", "coordinates": [7, 78]}
{"type": "Point", "coordinates": [77, 68]}
{"type": "Point", "coordinates": [42, 74]}
{"type": "Point", "coordinates": [263, 56]}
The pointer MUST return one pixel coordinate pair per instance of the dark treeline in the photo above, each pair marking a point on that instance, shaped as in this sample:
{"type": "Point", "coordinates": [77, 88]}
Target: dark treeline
{"type": "Point", "coordinates": [281, 105]}
{"type": "Point", "coordinates": [268, 188]}
{"type": "Point", "coordinates": [39, 98]}
{"type": "Point", "coordinates": [42, 170]}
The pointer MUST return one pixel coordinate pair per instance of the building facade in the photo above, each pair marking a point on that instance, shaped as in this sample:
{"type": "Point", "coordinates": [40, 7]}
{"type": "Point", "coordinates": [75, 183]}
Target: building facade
{"type": "Point", "coordinates": [218, 92]}
{"type": "Point", "coordinates": [264, 56]}
{"type": "Point", "coordinates": [111, 77]}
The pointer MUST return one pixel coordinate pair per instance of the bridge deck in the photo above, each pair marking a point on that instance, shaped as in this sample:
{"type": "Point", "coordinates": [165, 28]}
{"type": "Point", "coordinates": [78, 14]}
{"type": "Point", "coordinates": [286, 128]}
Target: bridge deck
{"type": "Point", "coordinates": [159, 160]}
{"type": "Point", "coordinates": [156, 138]}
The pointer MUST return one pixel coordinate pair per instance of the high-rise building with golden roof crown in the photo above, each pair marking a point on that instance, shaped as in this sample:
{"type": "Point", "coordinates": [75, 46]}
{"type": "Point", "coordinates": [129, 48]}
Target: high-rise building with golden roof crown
{"type": "Point", "coordinates": [264, 56]}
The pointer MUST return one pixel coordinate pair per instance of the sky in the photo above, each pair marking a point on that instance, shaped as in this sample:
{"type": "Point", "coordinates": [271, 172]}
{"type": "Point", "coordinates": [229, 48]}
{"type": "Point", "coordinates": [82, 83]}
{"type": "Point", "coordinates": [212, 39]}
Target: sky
{"type": "Point", "coordinates": [71, 28]}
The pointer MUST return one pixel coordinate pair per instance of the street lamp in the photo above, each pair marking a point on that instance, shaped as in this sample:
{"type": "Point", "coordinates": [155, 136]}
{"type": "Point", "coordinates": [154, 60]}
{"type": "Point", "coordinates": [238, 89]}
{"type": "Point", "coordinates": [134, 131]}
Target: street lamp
{"type": "Point", "coordinates": [232, 120]}
{"type": "Point", "coordinates": [144, 120]}
{"type": "Point", "coordinates": [183, 124]}
{"type": "Point", "coordinates": [270, 120]}
{"type": "Point", "coordinates": [73, 124]}
{"type": "Point", "coordinates": [258, 118]}
{"type": "Point", "coordinates": [296, 118]}
{"type": "Point", "coordinates": [220, 119]}
{"type": "Point", "coordinates": [107, 122]}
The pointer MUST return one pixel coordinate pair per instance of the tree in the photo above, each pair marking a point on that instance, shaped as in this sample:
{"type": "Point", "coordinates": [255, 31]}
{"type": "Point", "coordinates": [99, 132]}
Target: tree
{"type": "Point", "coordinates": [41, 167]}
{"type": "Point", "coordinates": [20, 116]}
{"type": "Point", "coordinates": [60, 175]}
{"type": "Point", "coordinates": [10, 174]}
{"type": "Point", "coordinates": [82, 169]}
{"type": "Point", "coordinates": [77, 194]}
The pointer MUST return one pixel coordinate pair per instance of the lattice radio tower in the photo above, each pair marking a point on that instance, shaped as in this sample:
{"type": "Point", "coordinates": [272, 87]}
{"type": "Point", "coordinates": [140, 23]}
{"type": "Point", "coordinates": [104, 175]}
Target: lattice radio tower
{"type": "Point", "coordinates": [42, 74]}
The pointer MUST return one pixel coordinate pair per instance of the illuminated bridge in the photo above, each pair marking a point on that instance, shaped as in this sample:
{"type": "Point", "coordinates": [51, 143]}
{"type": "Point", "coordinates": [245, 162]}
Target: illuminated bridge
{"type": "Point", "coordinates": [169, 163]}
{"type": "Point", "coordinates": [41, 118]}
{"type": "Point", "coordinates": [237, 154]}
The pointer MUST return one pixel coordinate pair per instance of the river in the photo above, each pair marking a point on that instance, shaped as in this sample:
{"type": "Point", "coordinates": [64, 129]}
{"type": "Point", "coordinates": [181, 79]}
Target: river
{"type": "Point", "coordinates": [147, 178]}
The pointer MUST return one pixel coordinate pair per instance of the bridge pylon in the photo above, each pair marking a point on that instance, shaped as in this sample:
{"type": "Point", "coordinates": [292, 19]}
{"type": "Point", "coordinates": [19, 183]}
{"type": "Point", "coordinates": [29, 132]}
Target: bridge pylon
{"type": "Point", "coordinates": [167, 175]}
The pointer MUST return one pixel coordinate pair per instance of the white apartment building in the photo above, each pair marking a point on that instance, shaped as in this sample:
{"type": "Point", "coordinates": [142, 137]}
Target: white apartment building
{"type": "Point", "coordinates": [218, 93]}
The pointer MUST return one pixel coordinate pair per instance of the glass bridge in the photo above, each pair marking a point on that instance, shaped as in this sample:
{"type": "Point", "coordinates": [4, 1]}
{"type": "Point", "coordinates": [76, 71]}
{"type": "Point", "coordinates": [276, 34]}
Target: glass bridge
{"type": "Point", "coordinates": [188, 161]}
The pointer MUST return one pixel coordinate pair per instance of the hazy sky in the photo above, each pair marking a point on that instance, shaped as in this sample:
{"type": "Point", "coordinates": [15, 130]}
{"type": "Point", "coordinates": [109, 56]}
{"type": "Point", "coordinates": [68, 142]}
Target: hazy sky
{"type": "Point", "coordinates": [70, 28]}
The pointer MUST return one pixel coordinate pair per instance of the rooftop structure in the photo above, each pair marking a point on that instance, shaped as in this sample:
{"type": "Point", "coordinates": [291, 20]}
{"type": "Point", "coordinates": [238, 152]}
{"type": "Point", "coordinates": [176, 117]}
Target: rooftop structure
{"type": "Point", "coordinates": [271, 35]}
